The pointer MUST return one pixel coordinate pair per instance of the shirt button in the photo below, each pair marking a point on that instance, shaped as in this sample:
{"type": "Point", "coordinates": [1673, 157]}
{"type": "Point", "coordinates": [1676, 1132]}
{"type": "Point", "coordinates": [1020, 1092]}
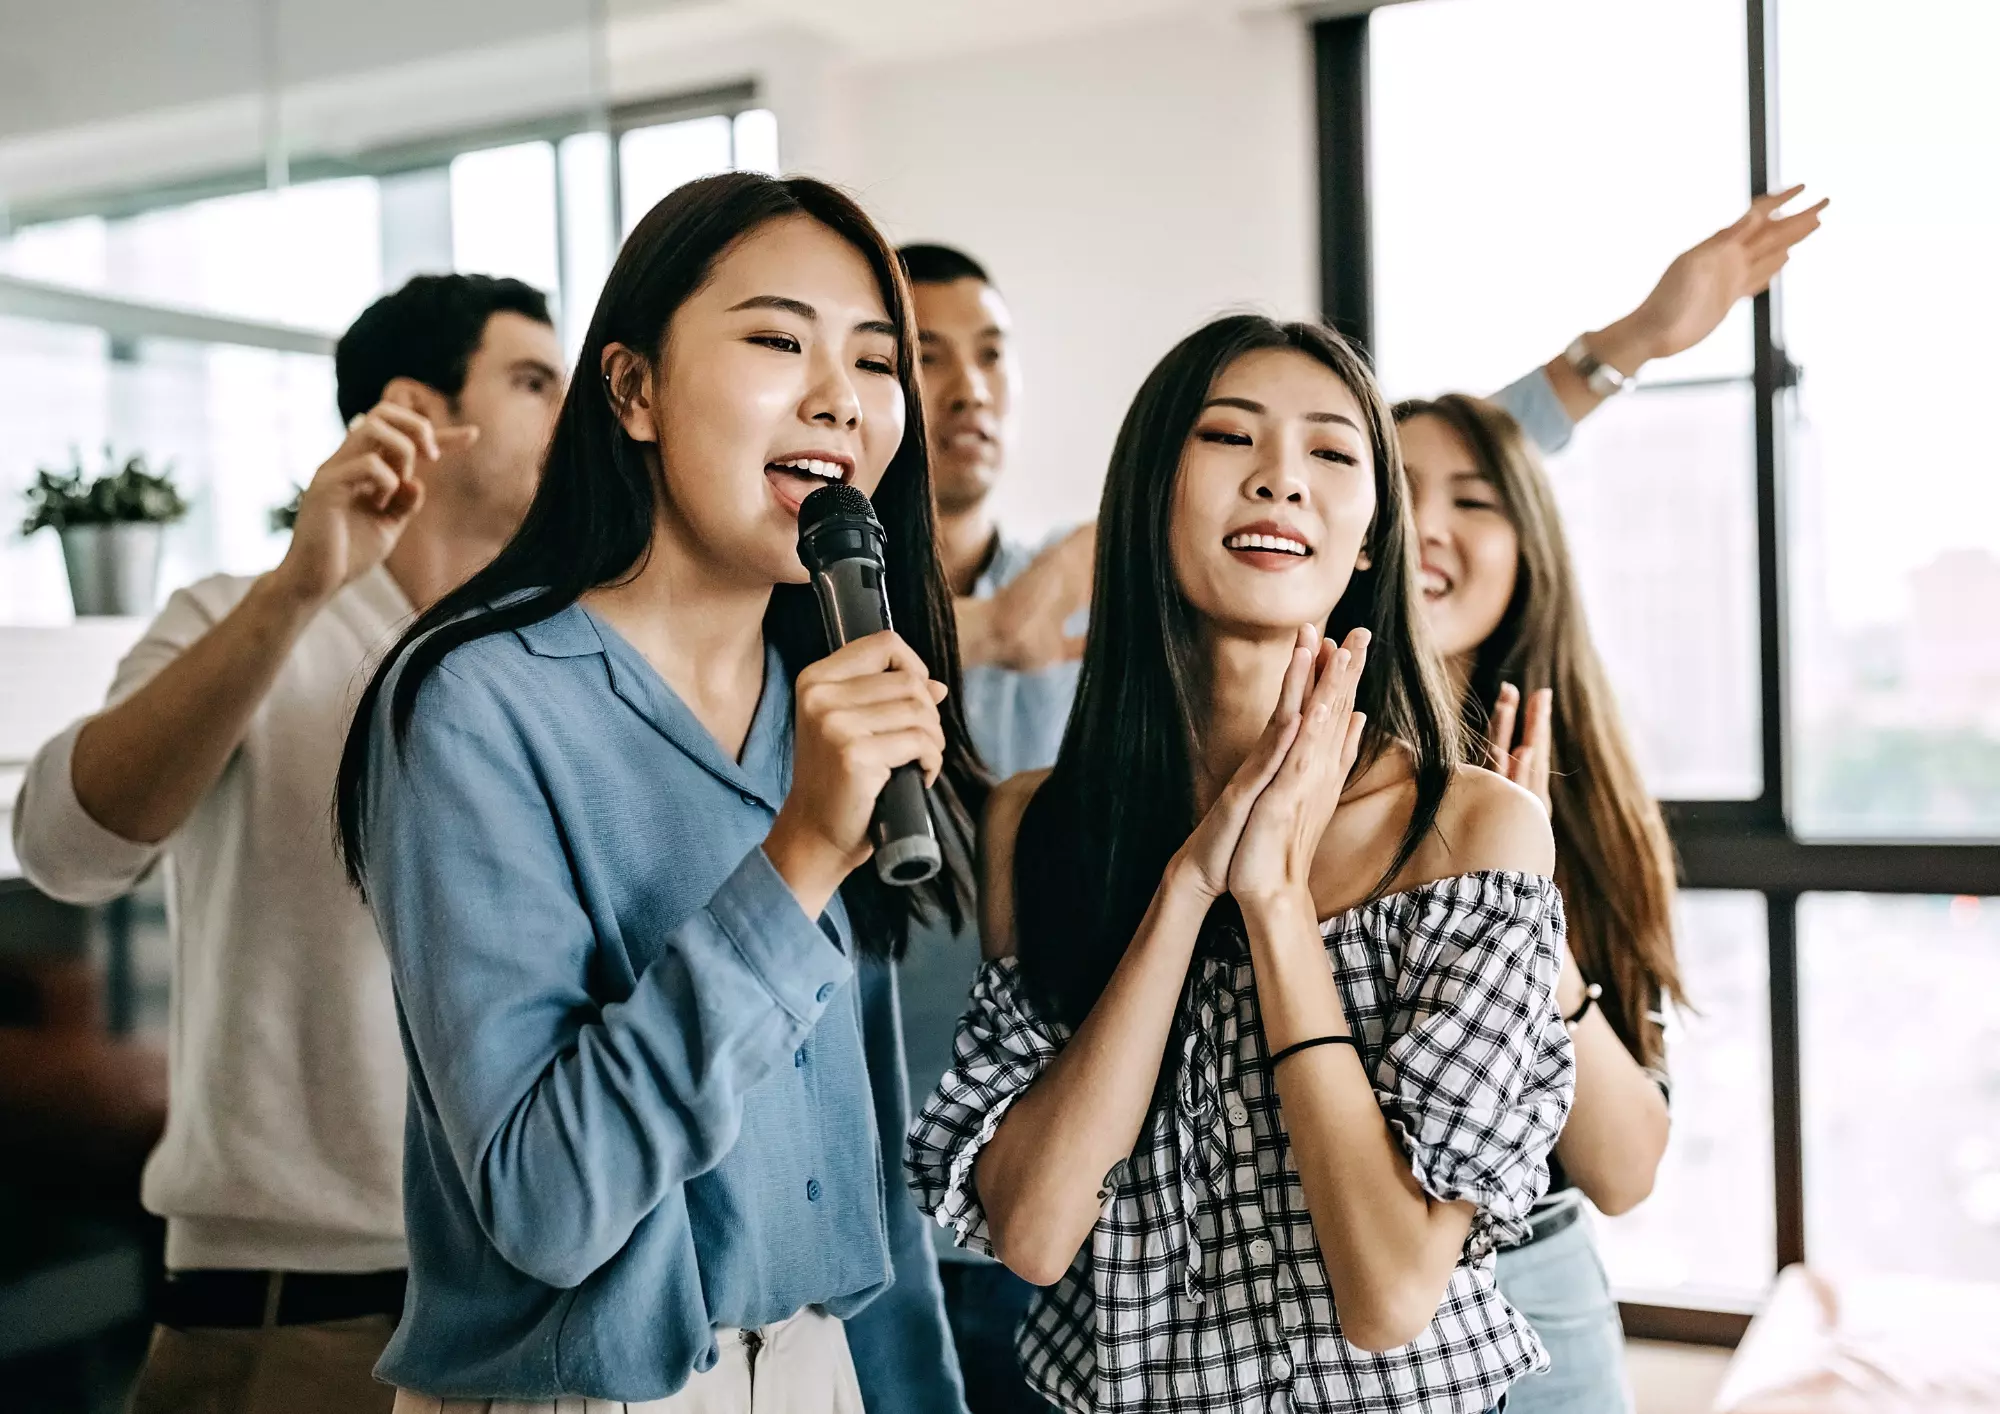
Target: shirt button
{"type": "Point", "coordinates": [1237, 1115]}
{"type": "Point", "coordinates": [1226, 1003]}
{"type": "Point", "coordinates": [749, 799]}
{"type": "Point", "coordinates": [799, 1057]}
{"type": "Point", "coordinates": [1260, 1250]}
{"type": "Point", "coordinates": [812, 1190]}
{"type": "Point", "coordinates": [825, 991]}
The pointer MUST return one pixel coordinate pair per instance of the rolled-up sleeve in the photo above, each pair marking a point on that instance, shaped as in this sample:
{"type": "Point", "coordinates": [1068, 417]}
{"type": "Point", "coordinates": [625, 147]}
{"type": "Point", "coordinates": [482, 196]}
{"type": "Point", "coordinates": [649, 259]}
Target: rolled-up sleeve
{"type": "Point", "coordinates": [63, 851]}
{"type": "Point", "coordinates": [1002, 1047]}
{"type": "Point", "coordinates": [1477, 1088]}
{"type": "Point", "coordinates": [1533, 403]}
{"type": "Point", "coordinates": [568, 1120]}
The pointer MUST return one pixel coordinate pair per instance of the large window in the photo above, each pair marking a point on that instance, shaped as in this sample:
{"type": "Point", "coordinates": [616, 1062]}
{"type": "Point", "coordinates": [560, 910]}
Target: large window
{"type": "Point", "coordinates": [1789, 551]}
{"type": "Point", "coordinates": [1895, 500]}
{"type": "Point", "coordinates": [243, 425]}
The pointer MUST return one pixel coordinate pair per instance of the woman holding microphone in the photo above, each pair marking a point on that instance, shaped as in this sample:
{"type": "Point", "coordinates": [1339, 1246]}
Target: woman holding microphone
{"type": "Point", "coordinates": [610, 807]}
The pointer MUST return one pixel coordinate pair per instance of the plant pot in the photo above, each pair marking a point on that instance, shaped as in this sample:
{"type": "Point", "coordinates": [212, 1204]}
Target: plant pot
{"type": "Point", "coordinates": [113, 569]}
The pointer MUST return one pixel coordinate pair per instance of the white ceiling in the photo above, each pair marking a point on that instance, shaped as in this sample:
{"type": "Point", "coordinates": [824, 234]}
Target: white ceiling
{"type": "Point", "coordinates": [66, 65]}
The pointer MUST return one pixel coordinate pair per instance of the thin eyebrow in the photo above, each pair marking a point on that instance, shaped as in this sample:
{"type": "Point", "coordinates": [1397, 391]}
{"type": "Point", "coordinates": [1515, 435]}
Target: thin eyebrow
{"type": "Point", "coordinates": [784, 302]}
{"type": "Point", "coordinates": [1248, 405]}
{"type": "Point", "coordinates": [808, 313]}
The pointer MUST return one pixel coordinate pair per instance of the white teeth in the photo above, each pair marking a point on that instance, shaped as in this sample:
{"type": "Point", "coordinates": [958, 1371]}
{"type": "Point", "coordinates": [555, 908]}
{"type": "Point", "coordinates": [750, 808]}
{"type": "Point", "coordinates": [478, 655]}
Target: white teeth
{"type": "Point", "coordinates": [812, 466]}
{"type": "Point", "coordinates": [1284, 544]}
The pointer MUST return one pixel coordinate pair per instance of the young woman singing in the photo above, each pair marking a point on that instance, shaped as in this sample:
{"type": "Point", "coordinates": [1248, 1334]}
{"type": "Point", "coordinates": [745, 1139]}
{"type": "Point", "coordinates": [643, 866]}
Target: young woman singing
{"type": "Point", "coordinates": [610, 808]}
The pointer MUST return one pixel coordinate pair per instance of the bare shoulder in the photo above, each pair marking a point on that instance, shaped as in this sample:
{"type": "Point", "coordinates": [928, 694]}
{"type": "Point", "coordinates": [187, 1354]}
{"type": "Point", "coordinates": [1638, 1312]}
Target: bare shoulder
{"type": "Point", "coordinates": [997, 833]}
{"type": "Point", "coordinates": [1488, 822]}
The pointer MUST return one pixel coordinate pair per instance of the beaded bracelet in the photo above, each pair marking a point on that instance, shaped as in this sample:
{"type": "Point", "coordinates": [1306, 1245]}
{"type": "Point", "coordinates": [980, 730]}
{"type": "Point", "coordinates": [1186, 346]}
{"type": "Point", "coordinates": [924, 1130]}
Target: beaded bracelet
{"type": "Point", "coordinates": [1590, 995]}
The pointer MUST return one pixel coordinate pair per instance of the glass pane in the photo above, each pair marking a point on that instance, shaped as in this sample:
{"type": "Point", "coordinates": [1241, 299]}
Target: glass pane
{"type": "Point", "coordinates": [1659, 504]}
{"type": "Point", "coordinates": [757, 141]}
{"type": "Point", "coordinates": [60, 252]}
{"type": "Point", "coordinates": [653, 161]}
{"type": "Point", "coordinates": [1490, 256]}
{"type": "Point", "coordinates": [308, 255]}
{"type": "Point", "coordinates": [1535, 164]}
{"type": "Point", "coordinates": [240, 427]}
{"type": "Point", "coordinates": [1707, 1231]}
{"type": "Point", "coordinates": [589, 242]}
{"type": "Point", "coordinates": [1900, 1051]}
{"type": "Point", "coordinates": [503, 213]}
{"type": "Point", "coordinates": [1894, 515]}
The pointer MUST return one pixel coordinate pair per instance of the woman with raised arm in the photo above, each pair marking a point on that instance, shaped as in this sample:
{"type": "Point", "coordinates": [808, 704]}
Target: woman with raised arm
{"type": "Point", "coordinates": [1501, 599]}
{"type": "Point", "coordinates": [1265, 1061]}
{"type": "Point", "coordinates": [610, 806]}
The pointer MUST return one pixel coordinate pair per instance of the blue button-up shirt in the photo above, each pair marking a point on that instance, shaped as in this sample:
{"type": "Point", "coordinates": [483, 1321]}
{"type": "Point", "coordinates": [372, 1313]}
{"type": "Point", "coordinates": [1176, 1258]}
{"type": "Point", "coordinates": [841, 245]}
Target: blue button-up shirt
{"type": "Point", "coordinates": [648, 1095]}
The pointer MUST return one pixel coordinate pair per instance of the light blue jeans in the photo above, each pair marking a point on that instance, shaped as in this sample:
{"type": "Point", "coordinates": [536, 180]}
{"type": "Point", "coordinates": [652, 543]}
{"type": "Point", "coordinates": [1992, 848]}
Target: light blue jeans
{"type": "Point", "coordinates": [1558, 1284]}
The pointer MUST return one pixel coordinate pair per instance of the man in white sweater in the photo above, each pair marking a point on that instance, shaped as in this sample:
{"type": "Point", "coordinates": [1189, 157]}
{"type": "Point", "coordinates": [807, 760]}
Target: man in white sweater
{"type": "Point", "coordinates": [280, 1171]}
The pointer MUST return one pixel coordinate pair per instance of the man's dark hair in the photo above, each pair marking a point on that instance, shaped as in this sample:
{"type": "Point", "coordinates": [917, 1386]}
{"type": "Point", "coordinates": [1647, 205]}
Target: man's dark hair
{"type": "Point", "coordinates": [940, 265]}
{"type": "Point", "coordinates": [428, 330]}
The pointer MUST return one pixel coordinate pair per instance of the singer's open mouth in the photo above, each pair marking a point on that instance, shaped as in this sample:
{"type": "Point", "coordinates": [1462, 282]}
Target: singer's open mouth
{"type": "Point", "coordinates": [796, 477]}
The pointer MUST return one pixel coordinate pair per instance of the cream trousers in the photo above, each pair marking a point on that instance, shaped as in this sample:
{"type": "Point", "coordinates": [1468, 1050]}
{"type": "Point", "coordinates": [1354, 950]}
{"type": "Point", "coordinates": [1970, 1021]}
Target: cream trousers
{"type": "Point", "coordinates": [796, 1366]}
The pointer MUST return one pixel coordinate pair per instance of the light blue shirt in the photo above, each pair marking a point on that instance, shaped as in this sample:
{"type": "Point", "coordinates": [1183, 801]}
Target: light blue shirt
{"type": "Point", "coordinates": [1017, 721]}
{"type": "Point", "coordinates": [648, 1095]}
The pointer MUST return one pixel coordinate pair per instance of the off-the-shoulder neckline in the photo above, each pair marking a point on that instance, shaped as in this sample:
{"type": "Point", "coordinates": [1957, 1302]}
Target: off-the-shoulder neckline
{"type": "Point", "coordinates": [1515, 876]}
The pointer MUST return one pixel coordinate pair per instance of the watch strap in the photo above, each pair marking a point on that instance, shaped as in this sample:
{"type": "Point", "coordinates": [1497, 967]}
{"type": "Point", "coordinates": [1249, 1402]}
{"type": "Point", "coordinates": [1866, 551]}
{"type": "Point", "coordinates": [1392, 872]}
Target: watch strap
{"type": "Point", "coordinates": [1600, 377]}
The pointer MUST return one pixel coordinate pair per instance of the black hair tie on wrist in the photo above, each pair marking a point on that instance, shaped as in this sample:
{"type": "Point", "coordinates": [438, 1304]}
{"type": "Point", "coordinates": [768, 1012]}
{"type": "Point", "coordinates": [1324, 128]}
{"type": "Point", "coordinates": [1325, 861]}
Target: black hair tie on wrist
{"type": "Point", "coordinates": [1307, 1045]}
{"type": "Point", "coordinates": [1590, 995]}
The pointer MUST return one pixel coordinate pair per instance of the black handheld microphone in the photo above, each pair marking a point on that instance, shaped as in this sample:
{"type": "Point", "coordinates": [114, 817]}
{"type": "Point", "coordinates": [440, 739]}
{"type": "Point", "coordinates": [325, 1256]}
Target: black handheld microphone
{"type": "Point", "coordinates": [842, 546]}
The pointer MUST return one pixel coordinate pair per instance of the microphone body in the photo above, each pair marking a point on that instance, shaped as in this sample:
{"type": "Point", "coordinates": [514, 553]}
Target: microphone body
{"type": "Point", "coordinates": [842, 546]}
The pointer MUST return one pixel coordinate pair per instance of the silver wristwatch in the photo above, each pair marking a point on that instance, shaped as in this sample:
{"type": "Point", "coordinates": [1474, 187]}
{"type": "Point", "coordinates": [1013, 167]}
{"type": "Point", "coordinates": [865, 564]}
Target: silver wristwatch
{"type": "Point", "coordinates": [1600, 377]}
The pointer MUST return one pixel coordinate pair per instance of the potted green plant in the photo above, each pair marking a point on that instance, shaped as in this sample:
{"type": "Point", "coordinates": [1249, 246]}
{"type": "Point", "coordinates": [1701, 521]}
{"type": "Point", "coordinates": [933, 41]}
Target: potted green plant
{"type": "Point", "coordinates": [110, 526]}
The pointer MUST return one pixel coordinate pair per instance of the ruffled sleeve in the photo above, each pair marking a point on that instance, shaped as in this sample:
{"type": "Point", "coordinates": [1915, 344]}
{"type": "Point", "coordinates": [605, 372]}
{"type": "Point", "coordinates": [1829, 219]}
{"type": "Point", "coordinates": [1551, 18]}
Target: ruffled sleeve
{"type": "Point", "coordinates": [1002, 1047]}
{"type": "Point", "coordinates": [1477, 1080]}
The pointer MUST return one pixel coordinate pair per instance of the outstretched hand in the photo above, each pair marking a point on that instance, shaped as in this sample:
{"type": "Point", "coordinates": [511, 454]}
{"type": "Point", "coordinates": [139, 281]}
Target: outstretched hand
{"type": "Point", "coordinates": [1704, 283]}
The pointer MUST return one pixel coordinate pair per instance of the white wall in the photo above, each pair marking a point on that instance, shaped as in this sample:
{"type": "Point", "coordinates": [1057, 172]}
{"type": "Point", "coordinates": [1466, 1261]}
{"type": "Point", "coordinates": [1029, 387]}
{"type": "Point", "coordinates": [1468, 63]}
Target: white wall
{"type": "Point", "coordinates": [1121, 187]}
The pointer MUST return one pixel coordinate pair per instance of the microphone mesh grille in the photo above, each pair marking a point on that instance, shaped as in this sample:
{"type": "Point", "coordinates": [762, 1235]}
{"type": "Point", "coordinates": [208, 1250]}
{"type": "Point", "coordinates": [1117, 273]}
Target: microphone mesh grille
{"type": "Point", "coordinates": [830, 501]}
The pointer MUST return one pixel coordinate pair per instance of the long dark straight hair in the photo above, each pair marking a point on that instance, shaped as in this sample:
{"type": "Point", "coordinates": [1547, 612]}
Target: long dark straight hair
{"type": "Point", "coordinates": [1614, 860]}
{"type": "Point", "coordinates": [1097, 836]}
{"type": "Point", "coordinates": [591, 523]}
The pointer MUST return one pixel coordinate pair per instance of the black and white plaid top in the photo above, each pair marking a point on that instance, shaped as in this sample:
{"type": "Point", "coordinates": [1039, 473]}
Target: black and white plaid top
{"type": "Point", "coordinates": [1202, 1286]}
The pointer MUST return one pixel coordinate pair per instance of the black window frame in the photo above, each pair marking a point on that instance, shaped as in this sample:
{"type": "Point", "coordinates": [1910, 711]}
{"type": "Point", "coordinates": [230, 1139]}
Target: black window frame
{"type": "Point", "coordinates": [1745, 845]}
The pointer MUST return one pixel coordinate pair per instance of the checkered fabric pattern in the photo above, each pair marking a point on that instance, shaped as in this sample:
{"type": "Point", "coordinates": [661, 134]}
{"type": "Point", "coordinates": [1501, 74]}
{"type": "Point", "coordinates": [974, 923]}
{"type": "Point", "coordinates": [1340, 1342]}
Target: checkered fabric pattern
{"type": "Point", "coordinates": [1202, 1286]}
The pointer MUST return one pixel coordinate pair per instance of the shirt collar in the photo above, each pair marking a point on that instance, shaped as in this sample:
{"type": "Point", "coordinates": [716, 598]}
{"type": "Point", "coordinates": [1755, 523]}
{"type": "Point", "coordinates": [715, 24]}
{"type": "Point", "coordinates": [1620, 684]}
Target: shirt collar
{"type": "Point", "coordinates": [762, 775]}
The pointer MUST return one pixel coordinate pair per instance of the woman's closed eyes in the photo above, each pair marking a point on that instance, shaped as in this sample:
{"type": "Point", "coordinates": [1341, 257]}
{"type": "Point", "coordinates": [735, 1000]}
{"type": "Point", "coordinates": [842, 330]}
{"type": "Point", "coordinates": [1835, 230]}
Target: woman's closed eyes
{"type": "Point", "coordinates": [786, 343]}
{"type": "Point", "coordinates": [1229, 437]}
